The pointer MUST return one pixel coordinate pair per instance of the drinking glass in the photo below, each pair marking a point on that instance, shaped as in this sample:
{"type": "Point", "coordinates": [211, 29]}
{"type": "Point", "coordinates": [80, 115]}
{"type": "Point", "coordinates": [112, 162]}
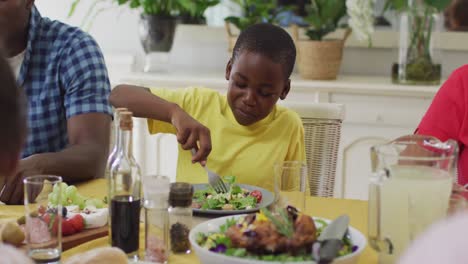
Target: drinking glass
{"type": "Point", "coordinates": [409, 190]}
{"type": "Point", "coordinates": [291, 184]}
{"type": "Point", "coordinates": [43, 218]}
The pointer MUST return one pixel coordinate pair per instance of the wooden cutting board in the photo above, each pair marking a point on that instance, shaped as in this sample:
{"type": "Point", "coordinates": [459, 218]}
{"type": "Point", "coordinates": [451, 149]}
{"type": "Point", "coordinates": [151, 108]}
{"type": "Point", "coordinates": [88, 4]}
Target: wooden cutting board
{"type": "Point", "coordinates": [83, 237]}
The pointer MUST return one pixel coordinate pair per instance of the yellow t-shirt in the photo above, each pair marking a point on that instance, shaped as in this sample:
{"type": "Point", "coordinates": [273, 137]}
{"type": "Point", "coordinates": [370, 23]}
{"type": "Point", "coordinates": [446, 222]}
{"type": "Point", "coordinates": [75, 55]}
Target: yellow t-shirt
{"type": "Point", "coordinates": [246, 152]}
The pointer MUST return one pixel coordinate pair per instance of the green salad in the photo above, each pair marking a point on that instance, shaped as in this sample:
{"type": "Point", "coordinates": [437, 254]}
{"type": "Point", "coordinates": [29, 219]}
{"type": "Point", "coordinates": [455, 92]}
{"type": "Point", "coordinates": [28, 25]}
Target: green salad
{"type": "Point", "coordinates": [236, 198]}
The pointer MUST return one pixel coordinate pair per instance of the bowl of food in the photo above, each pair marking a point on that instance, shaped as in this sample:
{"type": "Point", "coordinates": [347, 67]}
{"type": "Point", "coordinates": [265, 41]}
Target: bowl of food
{"type": "Point", "coordinates": [266, 238]}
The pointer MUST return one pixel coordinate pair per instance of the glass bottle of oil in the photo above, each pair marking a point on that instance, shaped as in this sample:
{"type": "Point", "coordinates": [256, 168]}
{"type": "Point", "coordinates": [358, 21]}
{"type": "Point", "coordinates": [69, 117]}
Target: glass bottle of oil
{"type": "Point", "coordinates": [125, 193]}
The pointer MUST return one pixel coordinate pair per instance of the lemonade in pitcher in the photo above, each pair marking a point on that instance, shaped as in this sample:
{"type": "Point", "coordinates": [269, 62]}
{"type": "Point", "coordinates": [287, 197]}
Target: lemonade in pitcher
{"type": "Point", "coordinates": [409, 190]}
{"type": "Point", "coordinates": [410, 201]}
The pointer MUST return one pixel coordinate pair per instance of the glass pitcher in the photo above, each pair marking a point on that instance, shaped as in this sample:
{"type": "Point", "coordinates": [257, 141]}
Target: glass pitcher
{"type": "Point", "coordinates": [409, 189]}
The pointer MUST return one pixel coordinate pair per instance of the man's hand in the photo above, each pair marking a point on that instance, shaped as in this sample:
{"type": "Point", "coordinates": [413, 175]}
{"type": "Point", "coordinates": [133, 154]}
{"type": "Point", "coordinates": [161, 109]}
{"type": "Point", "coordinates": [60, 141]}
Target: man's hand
{"type": "Point", "coordinates": [13, 190]}
{"type": "Point", "coordinates": [84, 158]}
{"type": "Point", "coordinates": [189, 132]}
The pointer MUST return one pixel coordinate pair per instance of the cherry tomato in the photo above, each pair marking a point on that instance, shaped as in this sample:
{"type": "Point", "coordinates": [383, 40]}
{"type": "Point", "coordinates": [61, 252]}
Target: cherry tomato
{"type": "Point", "coordinates": [257, 194]}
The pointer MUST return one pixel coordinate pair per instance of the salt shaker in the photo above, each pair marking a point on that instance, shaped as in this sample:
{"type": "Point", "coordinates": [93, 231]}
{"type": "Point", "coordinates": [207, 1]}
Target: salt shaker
{"type": "Point", "coordinates": [156, 193]}
{"type": "Point", "coordinates": [180, 216]}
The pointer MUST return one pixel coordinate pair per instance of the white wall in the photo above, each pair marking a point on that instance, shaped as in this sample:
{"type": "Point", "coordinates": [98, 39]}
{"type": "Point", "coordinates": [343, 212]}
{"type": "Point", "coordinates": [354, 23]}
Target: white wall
{"type": "Point", "coordinates": [116, 27]}
{"type": "Point", "coordinates": [115, 30]}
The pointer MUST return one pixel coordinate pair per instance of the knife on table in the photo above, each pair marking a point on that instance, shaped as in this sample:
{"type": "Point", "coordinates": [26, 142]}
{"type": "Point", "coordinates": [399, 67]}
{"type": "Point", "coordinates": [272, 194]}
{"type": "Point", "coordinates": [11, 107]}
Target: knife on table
{"type": "Point", "coordinates": [330, 241]}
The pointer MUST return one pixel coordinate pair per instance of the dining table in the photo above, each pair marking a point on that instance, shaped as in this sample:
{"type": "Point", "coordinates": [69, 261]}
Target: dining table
{"type": "Point", "coordinates": [329, 208]}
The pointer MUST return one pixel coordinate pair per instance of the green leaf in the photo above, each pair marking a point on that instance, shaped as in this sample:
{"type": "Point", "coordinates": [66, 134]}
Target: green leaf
{"type": "Point", "coordinates": [332, 10]}
{"type": "Point", "coordinates": [324, 16]}
{"type": "Point", "coordinates": [201, 238]}
{"type": "Point", "coordinates": [235, 189]}
{"type": "Point", "coordinates": [229, 179]}
{"type": "Point", "coordinates": [73, 7]}
{"type": "Point", "coordinates": [400, 5]}
{"type": "Point", "coordinates": [134, 3]}
{"type": "Point", "coordinates": [256, 11]}
{"type": "Point", "coordinates": [242, 203]}
{"type": "Point", "coordinates": [440, 5]}
{"type": "Point", "coordinates": [233, 20]}
{"type": "Point", "coordinates": [236, 252]}
{"type": "Point", "coordinates": [201, 194]}
{"type": "Point", "coordinates": [283, 224]}
{"type": "Point", "coordinates": [223, 240]}
{"type": "Point", "coordinates": [213, 204]}
{"type": "Point", "coordinates": [229, 222]}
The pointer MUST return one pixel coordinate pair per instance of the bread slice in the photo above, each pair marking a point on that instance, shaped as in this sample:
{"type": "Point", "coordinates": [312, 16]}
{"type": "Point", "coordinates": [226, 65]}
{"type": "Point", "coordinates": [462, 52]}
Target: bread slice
{"type": "Point", "coordinates": [103, 255]}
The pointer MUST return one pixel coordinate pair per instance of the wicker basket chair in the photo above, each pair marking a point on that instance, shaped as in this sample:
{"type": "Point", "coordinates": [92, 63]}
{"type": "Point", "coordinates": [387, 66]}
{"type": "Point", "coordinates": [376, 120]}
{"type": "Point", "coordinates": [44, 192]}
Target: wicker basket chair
{"type": "Point", "coordinates": [322, 133]}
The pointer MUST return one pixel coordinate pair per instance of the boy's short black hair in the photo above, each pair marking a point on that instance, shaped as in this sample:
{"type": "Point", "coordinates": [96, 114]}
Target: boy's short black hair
{"type": "Point", "coordinates": [12, 111]}
{"type": "Point", "coordinates": [269, 40]}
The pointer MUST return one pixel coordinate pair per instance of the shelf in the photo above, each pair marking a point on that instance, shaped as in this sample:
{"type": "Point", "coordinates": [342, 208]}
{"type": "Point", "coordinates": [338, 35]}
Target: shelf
{"type": "Point", "coordinates": [370, 85]}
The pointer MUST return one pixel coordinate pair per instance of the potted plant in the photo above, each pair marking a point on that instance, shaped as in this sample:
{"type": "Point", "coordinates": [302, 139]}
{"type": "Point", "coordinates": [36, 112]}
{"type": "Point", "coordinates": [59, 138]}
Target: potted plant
{"type": "Point", "coordinates": [319, 57]}
{"type": "Point", "coordinates": [192, 11]}
{"type": "Point", "coordinates": [158, 18]}
{"type": "Point", "coordinates": [253, 11]}
{"type": "Point", "coordinates": [418, 62]}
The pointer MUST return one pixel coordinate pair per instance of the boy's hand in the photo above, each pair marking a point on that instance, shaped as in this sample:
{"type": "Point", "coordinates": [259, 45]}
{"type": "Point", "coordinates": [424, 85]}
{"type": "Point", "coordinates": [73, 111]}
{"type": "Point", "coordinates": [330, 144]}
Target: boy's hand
{"type": "Point", "coordinates": [189, 132]}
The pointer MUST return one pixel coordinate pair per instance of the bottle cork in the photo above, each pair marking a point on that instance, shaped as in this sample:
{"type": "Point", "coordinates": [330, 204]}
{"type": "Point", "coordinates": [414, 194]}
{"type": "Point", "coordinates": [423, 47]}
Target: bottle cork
{"type": "Point", "coordinates": [121, 109]}
{"type": "Point", "coordinates": [117, 112]}
{"type": "Point", "coordinates": [126, 122]}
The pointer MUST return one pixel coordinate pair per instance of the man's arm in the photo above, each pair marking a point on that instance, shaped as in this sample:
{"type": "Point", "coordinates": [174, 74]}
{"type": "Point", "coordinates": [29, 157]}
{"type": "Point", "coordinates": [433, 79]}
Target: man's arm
{"type": "Point", "coordinates": [84, 158]}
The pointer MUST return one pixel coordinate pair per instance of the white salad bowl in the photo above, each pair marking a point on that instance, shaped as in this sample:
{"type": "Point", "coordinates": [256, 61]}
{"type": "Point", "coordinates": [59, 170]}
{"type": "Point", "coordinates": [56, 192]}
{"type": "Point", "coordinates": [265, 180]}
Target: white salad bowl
{"type": "Point", "coordinates": [209, 257]}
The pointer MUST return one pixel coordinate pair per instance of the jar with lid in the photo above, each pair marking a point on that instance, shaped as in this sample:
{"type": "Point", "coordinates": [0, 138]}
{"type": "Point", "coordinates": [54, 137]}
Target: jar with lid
{"type": "Point", "coordinates": [180, 216]}
{"type": "Point", "coordinates": [156, 194]}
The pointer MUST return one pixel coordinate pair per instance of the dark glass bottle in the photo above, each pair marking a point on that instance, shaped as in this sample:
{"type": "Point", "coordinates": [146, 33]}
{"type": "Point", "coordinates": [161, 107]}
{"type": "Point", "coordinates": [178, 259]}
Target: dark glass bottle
{"type": "Point", "coordinates": [125, 193]}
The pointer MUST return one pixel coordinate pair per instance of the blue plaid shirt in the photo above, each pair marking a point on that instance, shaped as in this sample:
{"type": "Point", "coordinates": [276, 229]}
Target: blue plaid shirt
{"type": "Point", "coordinates": [64, 75]}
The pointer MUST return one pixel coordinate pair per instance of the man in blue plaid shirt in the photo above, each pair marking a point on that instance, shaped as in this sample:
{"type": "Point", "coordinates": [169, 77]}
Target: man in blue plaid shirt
{"type": "Point", "coordinates": [63, 74]}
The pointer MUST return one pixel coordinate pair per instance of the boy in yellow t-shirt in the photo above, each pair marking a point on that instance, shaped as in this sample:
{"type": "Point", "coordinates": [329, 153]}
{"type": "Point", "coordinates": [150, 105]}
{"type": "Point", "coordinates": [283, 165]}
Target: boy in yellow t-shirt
{"type": "Point", "coordinates": [244, 133]}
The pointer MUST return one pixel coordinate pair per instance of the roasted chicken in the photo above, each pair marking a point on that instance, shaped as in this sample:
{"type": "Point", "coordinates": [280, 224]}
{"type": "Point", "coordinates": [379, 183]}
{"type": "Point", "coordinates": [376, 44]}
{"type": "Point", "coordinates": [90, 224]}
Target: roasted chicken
{"type": "Point", "coordinates": [258, 234]}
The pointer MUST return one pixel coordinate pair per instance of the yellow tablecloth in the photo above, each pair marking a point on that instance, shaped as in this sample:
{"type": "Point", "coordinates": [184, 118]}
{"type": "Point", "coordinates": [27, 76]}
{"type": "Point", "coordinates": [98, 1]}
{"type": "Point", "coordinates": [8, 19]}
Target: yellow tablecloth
{"type": "Point", "coordinates": [316, 206]}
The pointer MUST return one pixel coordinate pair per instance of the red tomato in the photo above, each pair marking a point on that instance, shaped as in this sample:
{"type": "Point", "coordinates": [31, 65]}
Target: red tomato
{"type": "Point", "coordinates": [47, 218]}
{"type": "Point", "coordinates": [257, 194]}
{"type": "Point", "coordinates": [77, 221]}
{"type": "Point", "coordinates": [67, 228]}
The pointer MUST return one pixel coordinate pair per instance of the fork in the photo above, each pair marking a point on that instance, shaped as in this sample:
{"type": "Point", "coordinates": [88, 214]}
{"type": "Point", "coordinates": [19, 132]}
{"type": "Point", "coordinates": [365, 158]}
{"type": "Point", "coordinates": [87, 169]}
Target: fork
{"type": "Point", "coordinates": [214, 179]}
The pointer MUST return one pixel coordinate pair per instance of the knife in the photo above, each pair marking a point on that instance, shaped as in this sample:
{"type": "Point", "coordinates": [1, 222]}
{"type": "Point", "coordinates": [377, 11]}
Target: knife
{"type": "Point", "coordinates": [330, 241]}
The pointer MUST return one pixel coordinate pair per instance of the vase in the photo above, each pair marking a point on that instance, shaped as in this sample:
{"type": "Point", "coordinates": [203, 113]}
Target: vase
{"type": "Point", "coordinates": [189, 20]}
{"type": "Point", "coordinates": [319, 59]}
{"type": "Point", "coordinates": [156, 36]}
{"type": "Point", "coordinates": [418, 55]}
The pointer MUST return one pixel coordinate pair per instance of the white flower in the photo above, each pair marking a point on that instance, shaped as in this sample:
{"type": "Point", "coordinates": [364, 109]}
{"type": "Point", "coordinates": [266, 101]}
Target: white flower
{"type": "Point", "coordinates": [361, 18]}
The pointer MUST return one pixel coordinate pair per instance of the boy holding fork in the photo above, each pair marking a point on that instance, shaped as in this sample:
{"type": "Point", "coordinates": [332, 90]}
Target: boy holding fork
{"type": "Point", "coordinates": [244, 133]}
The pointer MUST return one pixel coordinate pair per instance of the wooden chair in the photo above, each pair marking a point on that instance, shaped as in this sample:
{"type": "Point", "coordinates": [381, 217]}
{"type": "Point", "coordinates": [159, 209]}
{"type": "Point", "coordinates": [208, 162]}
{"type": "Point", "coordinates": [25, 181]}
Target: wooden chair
{"type": "Point", "coordinates": [322, 133]}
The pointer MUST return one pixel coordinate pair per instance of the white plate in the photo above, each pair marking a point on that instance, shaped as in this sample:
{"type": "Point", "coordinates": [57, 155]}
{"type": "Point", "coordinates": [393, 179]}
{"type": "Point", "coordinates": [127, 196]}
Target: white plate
{"type": "Point", "coordinates": [208, 257]}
